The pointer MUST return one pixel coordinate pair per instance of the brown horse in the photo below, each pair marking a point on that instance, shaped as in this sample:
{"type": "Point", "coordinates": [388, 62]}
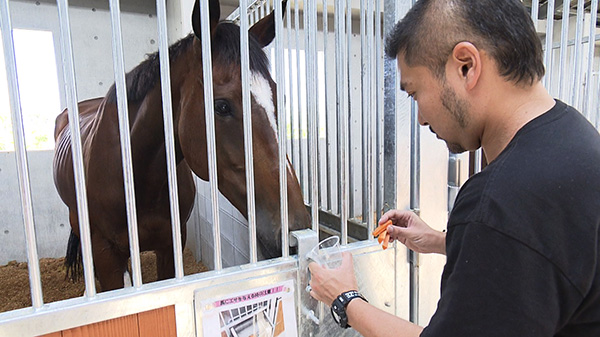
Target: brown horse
{"type": "Point", "coordinates": [102, 154]}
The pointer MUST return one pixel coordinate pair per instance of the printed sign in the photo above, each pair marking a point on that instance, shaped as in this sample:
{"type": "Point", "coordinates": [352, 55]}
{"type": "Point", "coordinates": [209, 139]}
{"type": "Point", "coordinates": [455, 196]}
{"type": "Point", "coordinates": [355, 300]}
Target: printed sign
{"type": "Point", "coordinates": [261, 312]}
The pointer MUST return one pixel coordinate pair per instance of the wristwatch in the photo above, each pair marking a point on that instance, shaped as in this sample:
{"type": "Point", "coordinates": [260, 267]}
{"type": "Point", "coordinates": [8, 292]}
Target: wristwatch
{"type": "Point", "coordinates": [338, 307]}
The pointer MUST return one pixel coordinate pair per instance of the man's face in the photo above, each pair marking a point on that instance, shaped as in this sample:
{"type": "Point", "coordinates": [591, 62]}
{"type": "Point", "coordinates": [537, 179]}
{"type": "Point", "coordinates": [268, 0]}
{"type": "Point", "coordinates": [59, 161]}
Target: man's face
{"type": "Point", "coordinates": [439, 106]}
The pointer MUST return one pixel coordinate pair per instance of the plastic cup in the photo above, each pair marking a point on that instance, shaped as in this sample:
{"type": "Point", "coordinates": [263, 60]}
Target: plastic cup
{"type": "Point", "coordinates": [327, 253]}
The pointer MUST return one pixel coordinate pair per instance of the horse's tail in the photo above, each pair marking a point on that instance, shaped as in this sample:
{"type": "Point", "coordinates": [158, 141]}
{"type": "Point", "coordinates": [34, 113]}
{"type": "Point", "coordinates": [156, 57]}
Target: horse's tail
{"type": "Point", "coordinates": [73, 261]}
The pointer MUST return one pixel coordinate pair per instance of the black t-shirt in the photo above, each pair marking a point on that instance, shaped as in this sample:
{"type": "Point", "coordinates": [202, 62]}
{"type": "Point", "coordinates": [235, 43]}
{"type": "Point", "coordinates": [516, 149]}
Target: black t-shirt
{"type": "Point", "coordinates": [523, 253]}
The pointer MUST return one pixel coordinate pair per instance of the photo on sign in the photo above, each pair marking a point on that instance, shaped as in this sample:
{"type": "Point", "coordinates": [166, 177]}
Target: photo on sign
{"type": "Point", "coordinates": [262, 312]}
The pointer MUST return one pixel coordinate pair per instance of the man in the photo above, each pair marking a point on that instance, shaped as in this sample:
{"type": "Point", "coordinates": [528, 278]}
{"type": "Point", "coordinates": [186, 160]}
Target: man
{"type": "Point", "coordinates": [522, 241]}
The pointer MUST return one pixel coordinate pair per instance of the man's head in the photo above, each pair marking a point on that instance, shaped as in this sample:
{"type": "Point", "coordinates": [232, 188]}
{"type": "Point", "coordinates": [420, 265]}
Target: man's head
{"type": "Point", "coordinates": [454, 55]}
{"type": "Point", "coordinates": [503, 28]}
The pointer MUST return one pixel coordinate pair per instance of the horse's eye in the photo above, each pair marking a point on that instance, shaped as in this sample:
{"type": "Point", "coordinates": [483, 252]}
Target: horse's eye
{"type": "Point", "coordinates": [222, 107]}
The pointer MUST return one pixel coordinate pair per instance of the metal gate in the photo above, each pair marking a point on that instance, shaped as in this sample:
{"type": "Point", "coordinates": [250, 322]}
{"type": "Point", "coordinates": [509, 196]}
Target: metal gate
{"type": "Point", "coordinates": [352, 163]}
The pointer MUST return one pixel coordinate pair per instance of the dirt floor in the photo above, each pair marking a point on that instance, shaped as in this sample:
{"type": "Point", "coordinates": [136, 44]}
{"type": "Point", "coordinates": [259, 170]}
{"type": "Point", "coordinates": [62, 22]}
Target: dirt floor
{"type": "Point", "coordinates": [14, 280]}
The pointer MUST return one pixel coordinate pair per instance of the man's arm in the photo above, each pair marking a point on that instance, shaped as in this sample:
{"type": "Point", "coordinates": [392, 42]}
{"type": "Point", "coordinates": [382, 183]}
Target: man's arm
{"type": "Point", "coordinates": [327, 284]}
{"type": "Point", "coordinates": [371, 321]}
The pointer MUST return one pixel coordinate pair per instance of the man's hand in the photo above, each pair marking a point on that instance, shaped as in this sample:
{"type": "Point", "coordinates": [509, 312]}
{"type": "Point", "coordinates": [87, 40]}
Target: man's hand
{"type": "Point", "coordinates": [327, 284]}
{"type": "Point", "coordinates": [414, 233]}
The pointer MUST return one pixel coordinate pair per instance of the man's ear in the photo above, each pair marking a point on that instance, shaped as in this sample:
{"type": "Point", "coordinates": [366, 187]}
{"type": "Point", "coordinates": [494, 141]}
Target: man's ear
{"type": "Point", "coordinates": [466, 62]}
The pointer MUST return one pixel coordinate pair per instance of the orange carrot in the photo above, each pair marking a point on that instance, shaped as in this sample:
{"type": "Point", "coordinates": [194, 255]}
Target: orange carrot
{"type": "Point", "coordinates": [386, 241]}
{"type": "Point", "coordinates": [381, 237]}
{"type": "Point", "coordinates": [382, 228]}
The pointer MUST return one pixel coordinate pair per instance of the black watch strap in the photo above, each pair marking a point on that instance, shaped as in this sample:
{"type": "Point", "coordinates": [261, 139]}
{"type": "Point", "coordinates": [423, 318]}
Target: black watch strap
{"type": "Point", "coordinates": [338, 307]}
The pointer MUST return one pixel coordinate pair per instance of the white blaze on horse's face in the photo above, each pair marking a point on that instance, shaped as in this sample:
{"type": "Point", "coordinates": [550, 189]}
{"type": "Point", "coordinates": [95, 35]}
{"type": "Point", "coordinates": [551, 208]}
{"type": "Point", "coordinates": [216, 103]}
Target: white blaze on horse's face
{"type": "Point", "coordinates": [261, 91]}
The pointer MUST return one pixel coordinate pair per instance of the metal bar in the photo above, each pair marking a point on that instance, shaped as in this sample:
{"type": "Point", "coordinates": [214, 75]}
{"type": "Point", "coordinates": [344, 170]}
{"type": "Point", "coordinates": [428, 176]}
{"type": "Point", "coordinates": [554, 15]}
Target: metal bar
{"type": "Point", "coordinates": [78, 170]}
{"type": "Point", "coordinates": [339, 59]}
{"type": "Point", "coordinates": [310, 19]}
{"type": "Point", "coordinates": [391, 87]}
{"type": "Point", "coordinates": [209, 109]}
{"type": "Point", "coordinates": [597, 124]}
{"type": "Point", "coordinates": [590, 66]}
{"type": "Point", "coordinates": [564, 37]}
{"type": "Point", "coordinates": [35, 283]}
{"type": "Point", "coordinates": [282, 124]}
{"type": "Point", "coordinates": [290, 81]}
{"type": "Point", "coordinates": [165, 80]}
{"type": "Point", "coordinates": [247, 112]}
{"type": "Point", "coordinates": [577, 62]}
{"type": "Point", "coordinates": [571, 42]}
{"type": "Point", "coordinates": [348, 119]}
{"type": "Point", "coordinates": [535, 8]}
{"type": "Point", "coordinates": [415, 183]}
{"type": "Point", "coordinates": [364, 88]}
{"type": "Point", "coordinates": [328, 173]}
{"type": "Point", "coordinates": [344, 139]}
{"type": "Point", "coordinates": [372, 113]}
{"type": "Point", "coordinates": [261, 10]}
{"type": "Point", "coordinates": [299, 94]}
{"type": "Point", "coordinates": [477, 161]}
{"type": "Point", "coordinates": [379, 110]}
{"type": "Point", "coordinates": [124, 132]}
{"type": "Point", "coordinates": [548, 51]}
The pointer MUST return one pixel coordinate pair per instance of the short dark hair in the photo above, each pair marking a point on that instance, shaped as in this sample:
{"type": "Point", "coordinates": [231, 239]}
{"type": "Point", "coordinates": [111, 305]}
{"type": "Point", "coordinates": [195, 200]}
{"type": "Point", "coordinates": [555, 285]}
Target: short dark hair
{"type": "Point", "coordinates": [503, 28]}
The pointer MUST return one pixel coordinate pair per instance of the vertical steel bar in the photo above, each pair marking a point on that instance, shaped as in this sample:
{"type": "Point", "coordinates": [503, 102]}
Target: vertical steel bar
{"type": "Point", "coordinates": [310, 19]}
{"type": "Point", "coordinates": [597, 124]}
{"type": "Point", "coordinates": [290, 81]}
{"type": "Point", "coordinates": [415, 204]}
{"type": "Point", "coordinates": [328, 172]}
{"type": "Point", "coordinates": [348, 120]}
{"type": "Point", "coordinates": [364, 88]}
{"type": "Point", "coordinates": [342, 120]}
{"type": "Point", "coordinates": [535, 8]}
{"type": "Point", "coordinates": [35, 283]}
{"type": "Point", "coordinates": [379, 109]}
{"type": "Point", "coordinates": [261, 10]}
{"type": "Point", "coordinates": [245, 64]}
{"type": "Point", "coordinates": [282, 124]}
{"type": "Point", "coordinates": [209, 109]}
{"type": "Point", "coordinates": [477, 161]}
{"type": "Point", "coordinates": [372, 121]}
{"type": "Point", "coordinates": [299, 92]}
{"type": "Point", "coordinates": [577, 64]}
{"type": "Point", "coordinates": [165, 80]}
{"type": "Point", "coordinates": [590, 64]}
{"type": "Point", "coordinates": [77, 153]}
{"type": "Point", "coordinates": [124, 129]}
{"type": "Point", "coordinates": [391, 87]}
{"type": "Point", "coordinates": [415, 183]}
{"type": "Point", "coordinates": [564, 39]}
{"type": "Point", "coordinates": [549, 40]}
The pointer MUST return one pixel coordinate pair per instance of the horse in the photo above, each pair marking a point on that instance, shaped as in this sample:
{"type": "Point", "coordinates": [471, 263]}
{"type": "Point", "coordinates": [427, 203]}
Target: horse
{"type": "Point", "coordinates": [102, 154]}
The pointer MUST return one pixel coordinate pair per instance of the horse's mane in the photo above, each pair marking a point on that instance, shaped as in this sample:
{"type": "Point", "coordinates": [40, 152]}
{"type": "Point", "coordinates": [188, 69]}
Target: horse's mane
{"type": "Point", "coordinates": [225, 48]}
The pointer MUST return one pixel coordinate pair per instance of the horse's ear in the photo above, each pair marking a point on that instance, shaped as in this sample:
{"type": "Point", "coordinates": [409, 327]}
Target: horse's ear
{"type": "Point", "coordinates": [215, 14]}
{"type": "Point", "coordinates": [264, 30]}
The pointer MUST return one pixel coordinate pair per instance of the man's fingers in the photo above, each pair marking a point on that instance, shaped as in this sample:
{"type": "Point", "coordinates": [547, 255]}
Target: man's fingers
{"type": "Point", "coordinates": [314, 267]}
{"type": "Point", "coordinates": [346, 259]}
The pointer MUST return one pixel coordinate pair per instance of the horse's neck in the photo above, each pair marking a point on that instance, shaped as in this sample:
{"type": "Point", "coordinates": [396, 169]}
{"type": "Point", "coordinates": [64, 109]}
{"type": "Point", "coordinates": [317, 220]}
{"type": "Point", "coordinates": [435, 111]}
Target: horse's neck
{"type": "Point", "coordinates": [147, 129]}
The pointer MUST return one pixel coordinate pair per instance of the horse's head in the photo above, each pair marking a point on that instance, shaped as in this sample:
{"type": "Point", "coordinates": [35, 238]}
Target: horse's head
{"type": "Point", "coordinates": [225, 40]}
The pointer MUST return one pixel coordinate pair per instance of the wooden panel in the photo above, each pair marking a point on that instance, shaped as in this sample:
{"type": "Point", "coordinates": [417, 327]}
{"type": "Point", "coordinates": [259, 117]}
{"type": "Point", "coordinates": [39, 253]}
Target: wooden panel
{"type": "Point", "coordinates": [158, 323]}
{"type": "Point", "coordinates": [126, 326]}
{"type": "Point", "coordinates": [54, 334]}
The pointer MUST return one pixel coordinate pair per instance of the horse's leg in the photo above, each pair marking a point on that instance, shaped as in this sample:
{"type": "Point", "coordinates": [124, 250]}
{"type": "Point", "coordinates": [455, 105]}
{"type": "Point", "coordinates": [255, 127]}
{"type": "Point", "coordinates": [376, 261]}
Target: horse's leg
{"type": "Point", "coordinates": [109, 263]}
{"type": "Point", "coordinates": [165, 263]}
